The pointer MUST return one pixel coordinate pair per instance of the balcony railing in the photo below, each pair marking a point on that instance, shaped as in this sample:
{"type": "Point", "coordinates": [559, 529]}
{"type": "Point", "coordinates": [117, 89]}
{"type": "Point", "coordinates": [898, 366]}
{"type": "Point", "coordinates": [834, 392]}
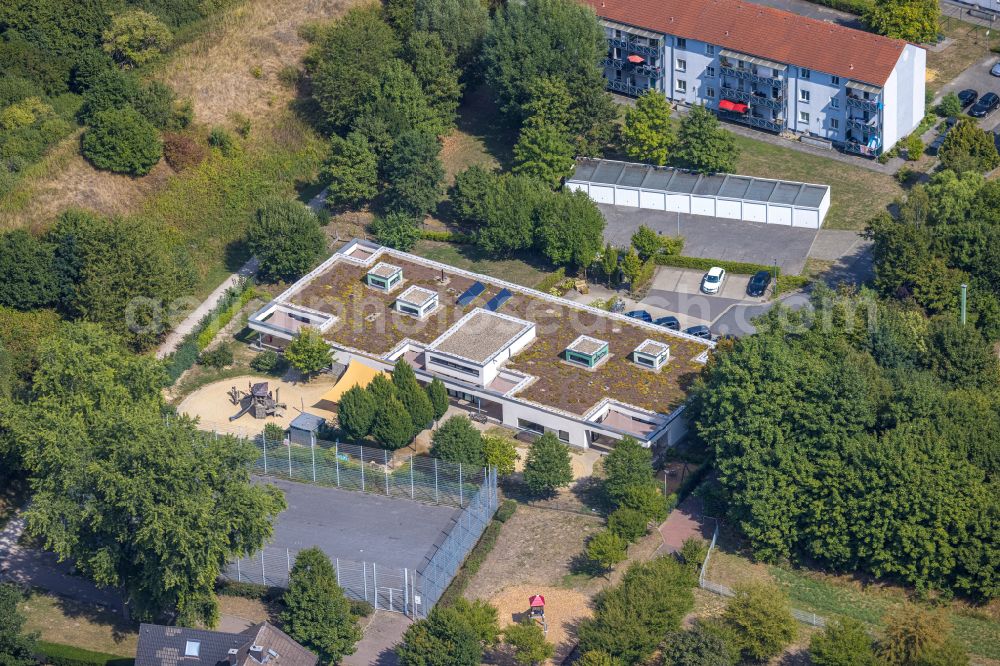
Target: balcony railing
{"type": "Point", "coordinates": [864, 126]}
{"type": "Point", "coordinates": [863, 104]}
{"type": "Point", "coordinates": [646, 70]}
{"type": "Point", "coordinates": [613, 62]}
{"type": "Point", "coordinates": [859, 149]}
{"type": "Point", "coordinates": [633, 47]}
{"type": "Point", "coordinates": [753, 121]}
{"type": "Point", "coordinates": [625, 88]}
{"type": "Point", "coordinates": [752, 99]}
{"type": "Point", "coordinates": [748, 75]}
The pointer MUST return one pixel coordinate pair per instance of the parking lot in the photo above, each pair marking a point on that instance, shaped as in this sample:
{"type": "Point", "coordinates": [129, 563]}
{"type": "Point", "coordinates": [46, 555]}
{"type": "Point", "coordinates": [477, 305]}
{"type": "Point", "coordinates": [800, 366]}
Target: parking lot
{"type": "Point", "coordinates": [978, 78]}
{"type": "Point", "coordinates": [715, 238]}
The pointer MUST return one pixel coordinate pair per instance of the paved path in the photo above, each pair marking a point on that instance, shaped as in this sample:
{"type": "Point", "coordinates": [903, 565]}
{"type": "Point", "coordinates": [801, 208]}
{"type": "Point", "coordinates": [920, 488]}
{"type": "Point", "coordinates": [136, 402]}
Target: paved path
{"type": "Point", "coordinates": [684, 522]}
{"type": "Point", "coordinates": [37, 568]}
{"type": "Point", "coordinates": [383, 632]}
{"type": "Point", "coordinates": [174, 338]}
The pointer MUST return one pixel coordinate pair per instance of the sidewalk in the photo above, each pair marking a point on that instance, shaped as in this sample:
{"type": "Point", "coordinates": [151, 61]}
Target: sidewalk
{"type": "Point", "coordinates": [173, 339]}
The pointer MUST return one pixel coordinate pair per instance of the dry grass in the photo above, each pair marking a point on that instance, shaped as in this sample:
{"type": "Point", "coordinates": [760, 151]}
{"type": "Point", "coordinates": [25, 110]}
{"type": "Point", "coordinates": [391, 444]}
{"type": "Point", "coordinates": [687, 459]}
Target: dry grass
{"type": "Point", "coordinates": [969, 47]}
{"type": "Point", "coordinates": [67, 622]}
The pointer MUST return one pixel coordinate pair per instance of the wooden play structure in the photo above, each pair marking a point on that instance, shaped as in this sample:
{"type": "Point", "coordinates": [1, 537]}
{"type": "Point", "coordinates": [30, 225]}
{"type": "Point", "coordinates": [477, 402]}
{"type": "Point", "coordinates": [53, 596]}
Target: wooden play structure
{"type": "Point", "coordinates": [257, 400]}
{"type": "Point", "coordinates": [536, 611]}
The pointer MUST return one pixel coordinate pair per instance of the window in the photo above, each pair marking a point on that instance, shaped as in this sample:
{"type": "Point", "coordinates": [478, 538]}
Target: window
{"type": "Point", "coordinates": [682, 86]}
{"type": "Point", "coordinates": [710, 92]}
{"type": "Point", "coordinates": [408, 309]}
{"type": "Point", "coordinates": [803, 117]}
{"type": "Point", "coordinates": [835, 80]}
{"type": "Point", "coordinates": [530, 426]}
{"type": "Point", "coordinates": [834, 123]}
{"type": "Point", "coordinates": [454, 366]}
{"type": "Point", "coordinates": [645, 360]}
{"type": "Point", "coordinates": [804, 96]}
{"type": "Point", "coordinates": [710, 72]}
{"type": "Point", "coordinates": [804, 73]}
{"type": "Point", "coordinates": [192, 648]}
{"type": "Point", "coordinates": [682, 43]}
{"type": "Point", "coordinates": [682, 65]}
{"type": "Point", "coordinates": [834, 102]}
{"type": "Point", "coordinates": [709, 49]}
{"type": "Point", "coordinates": [564, 436]}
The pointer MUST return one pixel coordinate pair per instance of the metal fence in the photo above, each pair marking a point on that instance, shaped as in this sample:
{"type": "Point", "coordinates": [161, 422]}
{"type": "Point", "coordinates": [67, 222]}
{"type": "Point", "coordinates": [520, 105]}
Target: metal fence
{"type": "Point", "coordinates": [385, 588]}
{"type": "Point", "coordinates": [724, 590]}
{"type": "Point", "coordinates": [370, 469]}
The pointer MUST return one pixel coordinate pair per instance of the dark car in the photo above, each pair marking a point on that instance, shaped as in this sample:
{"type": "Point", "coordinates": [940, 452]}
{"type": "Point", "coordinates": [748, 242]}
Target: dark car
{"type": "Point", "coordinates": [968, 97]}
{"type": "Point", "coordinates": [758, 283]}
{"type": "Point", "coordinates": [669, 321]}
{"type": "Point", "coordinates": [639, 314]}
{"type": "Point", "coordinates": [699, 331]}
{"type": "Point", "coordinates": [986, 105]}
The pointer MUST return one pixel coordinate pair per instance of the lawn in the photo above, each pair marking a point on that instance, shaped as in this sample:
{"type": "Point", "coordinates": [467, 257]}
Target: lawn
{"type": "Point", "coordinates": [970, 46]}
{"type": "Point", "coordinates": [856, 193]}
{"type": "Point", "coordinates": [67, 622]}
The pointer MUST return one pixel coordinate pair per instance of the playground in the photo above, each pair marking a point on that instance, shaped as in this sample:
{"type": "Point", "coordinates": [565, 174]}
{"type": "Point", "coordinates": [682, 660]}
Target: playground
{"type": "Point", "coordinates": [213, 404]}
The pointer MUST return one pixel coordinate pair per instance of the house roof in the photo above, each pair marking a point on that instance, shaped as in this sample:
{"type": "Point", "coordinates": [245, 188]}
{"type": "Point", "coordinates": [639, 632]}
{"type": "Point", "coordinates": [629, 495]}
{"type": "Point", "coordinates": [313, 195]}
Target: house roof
{"type": "Point", "coordinates": [178, 646]}
{"type": "Point", "coordinates": [308, 422]}
{"type": "Point", "coordinates": [766, 32]}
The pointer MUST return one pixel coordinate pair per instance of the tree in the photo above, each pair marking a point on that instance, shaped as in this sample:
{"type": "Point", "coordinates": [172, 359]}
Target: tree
{"type": "Point", "coordinates": [396, 106]}
{"type": "Point", "coordinates": [509, 212]}
{"type": "Point", "coordinates": [950, 106]}
{"type": "Point", "coordinates": [628, 464]}
{"type": "Point", "coordinates": [412, 395]}
{"type": "Point", "coordinates": [968, 148]}
{"type": "Point", "coordinates": [528, 641]}
{"type": "Point", "coordinates": [916, 21]}
{"type": "Point", "coordinates": [458, 441]}
{"type": "Point", "coordinates": [647, 243]}
{"type": "Point", "coordinates": [915, 636]}
{"type": "Point", "coordinates": [606, 549]}
{"type": "Point", "coordinates": [350, 171]}
{"type": "Point", "coordinates": [695, 647]}
{"type": "Point", "coordinates": [631, 266]}
{"type": "Point", "coordinates": [136, 37]}
{"type": "Point", "coordinates": [647, 499]}
{"type": "Point", "coordinates": [469, 192]}
{"type": "Point", "coordinates": [627, 523]}
{"type": "Point", "coordinates": [761, 617]}
{"type": "Point", "coordinates": [548, 465]}
{"type": "Point", "coordinates": [598, 658]}
{"type": "Point", "coordinates": [438, 394]}
{"type": "Point", "coordinates": [500, 454]}
{"type": "Point", "coordinates": [26, 271]}
{"type": "Point", "coordinates": [461, 25]}
{"type": "Point", "coordinates": [415, 174]}
{"type": "Point", "coordinates": [309, 353]}
{"type": "Point", "coordinates": [381, 389]}
{"type": "Point", "coordinates": [703, 145]}
{"type": "Point", "coordinates": [16, 647]}
{"type": "Point", "coordinates": [148, 505]}
{"type": "Point", "coordinates": [396, 229]}
{"type": "Point", "coordinates": [570, 229]}
{"type": "Point", "coordinates": [842, 643]}
{"type": "Point", "coordinates": [435, 69]}
{"type": "Point", "coordinates": [609, 263]}
{"type": "Point", "coordinates": [356, 412]}
{"type": "Point", "coordinates": [122, 141]}
{"type": "Point", "coordinates": [693, 552]}
{"type": "Point", "coordinates": [393, 427]}
{"type": "Point", "coordinates": [648, 134]}
{"type": "Point", "coordinates": [959, 354]}
{"type": "Point", "coordinates": [317, 614]}
{"type": "Point", "coordinates": [543, 152]}
{"type": "Point", "coordinates": [286, 239]}
{"type": "Point", "coordinates": [450, 636]}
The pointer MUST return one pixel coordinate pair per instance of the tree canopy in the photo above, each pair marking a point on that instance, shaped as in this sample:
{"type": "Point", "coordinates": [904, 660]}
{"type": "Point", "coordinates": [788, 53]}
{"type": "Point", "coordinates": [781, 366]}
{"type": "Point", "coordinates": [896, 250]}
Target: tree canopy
{"type": "Point", "coordinates": [286, 239]}
{"type": "Point", "coordinates": [647, 133]}
{"type": "Point", "coordinates": [704, 145]}
{"type": "Point", "coordinates": [916, 21]}
{"type": "Point", "coordinates": [968, 148]}
{"type": "Point", "coordinates": [458, 441]}
{"type": "Point", "coordinates": [123, 141]}
{"type": "Point", "coordinates": [548, 465]}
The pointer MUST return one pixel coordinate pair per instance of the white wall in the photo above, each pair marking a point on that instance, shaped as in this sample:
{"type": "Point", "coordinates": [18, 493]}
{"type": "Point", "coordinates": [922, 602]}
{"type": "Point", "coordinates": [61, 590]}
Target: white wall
{"type": "Point", "coordinates": [731, 210]}
{"type": "Point", "coordinates": [652, 200]}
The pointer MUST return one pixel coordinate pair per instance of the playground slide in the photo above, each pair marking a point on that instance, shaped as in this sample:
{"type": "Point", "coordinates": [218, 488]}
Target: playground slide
{"type": "Point", "coordinates": [242, 411]}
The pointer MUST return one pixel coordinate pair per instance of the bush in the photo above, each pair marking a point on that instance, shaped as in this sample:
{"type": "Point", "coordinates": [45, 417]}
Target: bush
{"type": "Point", "coordinates": [914, 147]}
{"type": "Point", "coordinates": [528, 641]}
{"type": "Point", "coordinates": [693, 552]}
{"type": "Point", "coordinates": [787, 283]}
{"type": "Point", "coordinates": [182, 152]}
{"type": "Point", "coordinates": [736, 267]}
{"type": "Point", "coordinates": [397, 230]}
{"type": "Point", "coordinates": [136, 37]}
{"type": "Point", "coordinates": [274, 432]}
{"type": "Point", "coordinates": [360, 609]}
{"type": "Point", "coordinates": [183, 358]}
{"type": "Point", "coordinates": [647, 499]}
{"type": "Point", "coordinates": [219, 137]}
{"type": "Point", "coordinates": [122, 141]}
{"type": "Point", "coordinates": [950, 106]}
{"type": "Point", "coordinates": [606, 549]}
{"type": "Point", "coordinates": [232, 302]}
{"type": "Point", "coordinates": [760, 616]}
{"type": "Point", "coordinates": [219, 357]}
{"type": "Point", "coordinates": [696, 647]}
{"type": "Point", "coordinates": [56, 654]}
{"type": "Point", "coordinates": [506, 510]}
{"type": "Point", "coordinates": [627, 523]}
{"type": "Point", "coordinates": [842, 643]}
{"type": "Point", "coordinates": [232, 588]}
{"type": "Point", "coordinates": [447, 237]}
{"type": "Point", "coordinates": [268, 361]}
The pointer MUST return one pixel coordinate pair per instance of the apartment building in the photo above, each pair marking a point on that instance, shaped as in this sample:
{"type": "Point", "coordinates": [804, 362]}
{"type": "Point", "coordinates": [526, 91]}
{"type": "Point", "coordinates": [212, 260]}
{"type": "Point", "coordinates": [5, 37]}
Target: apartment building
{"type": "Point", "coordinates": [767, 68]}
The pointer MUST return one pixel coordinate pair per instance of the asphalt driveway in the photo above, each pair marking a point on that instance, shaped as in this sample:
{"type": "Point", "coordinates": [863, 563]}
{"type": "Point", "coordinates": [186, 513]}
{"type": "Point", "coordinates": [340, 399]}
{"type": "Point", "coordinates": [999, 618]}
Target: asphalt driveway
{"type": "Point", "coordinates": [978, 78]}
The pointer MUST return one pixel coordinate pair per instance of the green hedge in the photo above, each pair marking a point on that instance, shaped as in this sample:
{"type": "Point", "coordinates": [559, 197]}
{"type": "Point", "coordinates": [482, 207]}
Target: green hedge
{"type": "Point", "coordinates": [478, 554]}
{"type": "Point", "coordinates": [739, 267]}
{"type": "Point", "coordinates": [57, 654]}
{"type": "Point", "coordinates": [232, 588]}
{"type": "Point", "coordinates": [223, 314]}
{"type": "Point", "coordinates": [786, 283]}
{"type": "Point", "coordinates": [858, 7]}
{"type": "Point", "coordinates": [551, 280]}
{"type": "Point", "coordinates": [448, 237]}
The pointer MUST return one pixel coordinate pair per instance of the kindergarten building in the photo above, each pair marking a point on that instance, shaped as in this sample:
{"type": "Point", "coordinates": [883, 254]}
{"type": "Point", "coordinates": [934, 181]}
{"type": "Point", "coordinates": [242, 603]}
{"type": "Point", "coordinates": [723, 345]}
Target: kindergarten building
{"type": "Point", "coordinates": [507, 354]}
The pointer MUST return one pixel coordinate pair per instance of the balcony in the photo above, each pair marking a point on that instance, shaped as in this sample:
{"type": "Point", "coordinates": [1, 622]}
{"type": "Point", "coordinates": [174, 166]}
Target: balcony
{"type": "Point", "coordinates": [632, 47]}
{"type": "Point", "coordinates": [861, 103]}
{"type": "Point", "coordinates": [625, 88]}
{"type": "Point", "coordinates": [860, 149]}
{"type": "Point", "coordinates": [753, 121]}
{"type": "Point", "coordinates": [646, 70]}
{"type": "Point", "coordinates": [862, 125]}
{"type": "Point", "coordinates": [749, 75]}
{"type": "Point", "coordinates": [753, 99]}
{"type": "Point", "coordinates": [612, 62]}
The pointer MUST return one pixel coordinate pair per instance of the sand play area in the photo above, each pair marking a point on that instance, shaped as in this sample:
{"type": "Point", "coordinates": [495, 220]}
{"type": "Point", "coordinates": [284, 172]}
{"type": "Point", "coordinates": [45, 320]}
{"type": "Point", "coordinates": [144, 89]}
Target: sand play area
{"type": "Point", "coordinates": [211, 403]}
{"type": "Point", "coordinates": [564, 610]}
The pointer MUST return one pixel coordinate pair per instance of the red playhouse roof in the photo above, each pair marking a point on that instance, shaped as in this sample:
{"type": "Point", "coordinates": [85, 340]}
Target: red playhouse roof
{"type": "Point", "coordinates": [738, 107]}
{"type": "Point", "coordinates": [536, 600]}
{"type": "Point", "coordinates": [635, 58]}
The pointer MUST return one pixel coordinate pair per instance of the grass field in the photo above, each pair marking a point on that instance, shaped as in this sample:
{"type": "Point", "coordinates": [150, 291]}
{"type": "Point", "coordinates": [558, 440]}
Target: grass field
{"type": "Point", "coordinates": [970, 46]}
{"type": "Point", "coordinates": [59, 620]}
{"type": "Point", "coordinates": [468, 257]}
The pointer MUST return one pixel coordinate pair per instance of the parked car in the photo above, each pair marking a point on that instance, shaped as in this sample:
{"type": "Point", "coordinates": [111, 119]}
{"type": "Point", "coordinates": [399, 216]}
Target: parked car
{"type": "Point", "coordinates": [968, 97]}
{"type": "Point", "coordinates": [642, 315]}
{"type": "Point", "coordinates": [995, 70]}
{"type": "Point", "coordinates": [759, 283]}
{"type": "Point", "coordinates": [669, 321]}
{"type": "Point", "coordinates": [986, 105]}
{"type": "Point", "coordinates": [699, 331]}
{"type": "Point", "coordinates": [938, 141]}
{"type": "Point", "coordinates": [712, 282]}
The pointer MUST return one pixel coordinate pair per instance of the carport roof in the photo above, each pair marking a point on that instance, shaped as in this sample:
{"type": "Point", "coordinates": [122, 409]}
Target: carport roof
{"type": "Point", "coordinates": [670, 180]}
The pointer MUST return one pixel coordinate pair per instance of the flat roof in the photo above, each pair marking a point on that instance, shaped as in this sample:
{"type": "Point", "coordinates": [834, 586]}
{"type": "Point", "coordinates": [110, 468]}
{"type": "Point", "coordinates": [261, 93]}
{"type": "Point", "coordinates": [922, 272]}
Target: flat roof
{"type": "Point", "coordinates": [677, 181]}
{"type": "Point", "coordinates": [480, 335]}
{"type": "Point", "coordinates": [417, 295]}
{"type": "Point", "coordinates": [384, 270]}
{"type": "Point", "coordinates": [366, 322]}
{"type": "Point", "coordinates": [652, 347]}
{"type": "Point", "coordinates": [587, 345]}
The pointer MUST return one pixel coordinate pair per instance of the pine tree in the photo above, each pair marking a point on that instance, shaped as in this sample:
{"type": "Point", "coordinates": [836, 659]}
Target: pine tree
{"type": "Point", "coordinates": [356, 412]}
{"type": "Point", "coordinates": [412, 395]}
{"type": "Point", "coordinates": [438, 394]}
{"type": "Point", "coordinates": [393, 427]}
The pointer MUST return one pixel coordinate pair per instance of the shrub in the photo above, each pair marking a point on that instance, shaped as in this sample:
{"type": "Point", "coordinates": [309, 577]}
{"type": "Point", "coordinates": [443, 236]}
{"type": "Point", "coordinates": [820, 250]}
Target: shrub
{"type": "Point", "coordinates": [528, 641]}
{"type": "Point", "coordinates": [56, 654]}
{"type": "Point", "coordinates": [736, 267]}
{"type": "Point", "coordinates": [232, 302]}
{"type": "Point", "coordinates": [268, 361]}
{"type": "Point", "coordinates": [627, 523]}
{"type": "Point", "coordinates": [506, 510]}
{"type": "Point", "coordinates": [183, 358]}
{"type": "Point", "coordinates": [842, 643]}
{"type": "Point", "coordinates": [182, 152]}
{"type": "Point", "coordinates": [968, 148]}
{"type": "Point", "coordinates": [606, 549]}
{"type": "Point", "coordinates": [360, 609]}
{"type": "Point", "coordinates": [458, 441]}
{"type": "Point", "coordinates": [219, 137]}
{"type": "Point", "coordinates": [232, 588]}
{"type": "Point", "coordinates": [914, 147]}
{"type": "Point", "coordinates": [397, 229]}
{"type": "Point", "coordinates": [693, 552]}
{"type": "Point", "coordinates": [219, 357]}
{"type": "Point", "coordinates": [915, 635]}
{"type": "Point", "coordinates": [950, 105]}
{"type": "Point", "coordinates": [696, 647]}
{"type": "Point", "coordinates": [241, 124]}
{"type": "Point", "coordinates": [647, 499]}
{"type": "Point", "coordinates": [274, 432]}
{"type": "Point", "coordinates": [122, 141]}
{"type": "Point", "coordinates": [548, 465]}
{"type": "Point", "coordinates": [447, 237]}
{"type": "Point", "coordinates": [136, 37]}
{"type": "Point", "coordinates": [763, 623]}
{"type": "Point", "coordinates": [289, 75]}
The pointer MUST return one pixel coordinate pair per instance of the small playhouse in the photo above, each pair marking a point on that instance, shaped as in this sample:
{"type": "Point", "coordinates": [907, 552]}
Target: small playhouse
{"type": "Point", "coordinates": [304, 428]}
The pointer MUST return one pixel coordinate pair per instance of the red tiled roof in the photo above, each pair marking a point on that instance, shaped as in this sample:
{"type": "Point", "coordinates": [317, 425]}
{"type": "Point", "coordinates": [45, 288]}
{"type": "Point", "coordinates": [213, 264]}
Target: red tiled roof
{"type": "Point", "coordinates": [765, 32]}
